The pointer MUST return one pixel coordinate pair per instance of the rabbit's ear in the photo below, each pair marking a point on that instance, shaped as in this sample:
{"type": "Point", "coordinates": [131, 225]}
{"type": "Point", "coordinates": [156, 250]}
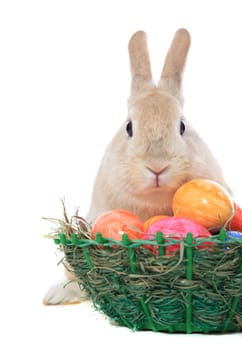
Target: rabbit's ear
{"type": "Point", "coordinates": [139, 61]}
{"type": "Point", "coordinates": [172, 73]}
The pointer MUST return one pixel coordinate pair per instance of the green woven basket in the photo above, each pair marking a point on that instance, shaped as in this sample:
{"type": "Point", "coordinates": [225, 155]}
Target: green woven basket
{"type": "Point", "coordinates": [193, 291]}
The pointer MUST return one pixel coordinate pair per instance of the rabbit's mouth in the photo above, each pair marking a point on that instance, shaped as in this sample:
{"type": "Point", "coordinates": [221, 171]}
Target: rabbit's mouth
{"type": "Point", "coordinates": [157, 175]}
{"type": "Point", "coordinates": [164, 182]}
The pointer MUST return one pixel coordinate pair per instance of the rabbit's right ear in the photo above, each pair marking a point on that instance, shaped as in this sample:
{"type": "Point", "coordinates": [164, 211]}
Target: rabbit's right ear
{"type": "Point", "coordinates": [139, 62]}
{"type": "Point", "coordinates": [172, 73]}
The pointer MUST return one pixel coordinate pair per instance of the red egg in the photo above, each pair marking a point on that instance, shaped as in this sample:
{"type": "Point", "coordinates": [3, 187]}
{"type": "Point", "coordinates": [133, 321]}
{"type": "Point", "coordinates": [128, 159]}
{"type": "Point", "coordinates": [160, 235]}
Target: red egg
{"type": "Point", "coordinates": [204, 201]}
{"type": "Point", "coordinates": [176, 228]}
{"type": "Point", "coordinates": [114, 223]}
{"type": "Point", "coordinates": [236, 222]}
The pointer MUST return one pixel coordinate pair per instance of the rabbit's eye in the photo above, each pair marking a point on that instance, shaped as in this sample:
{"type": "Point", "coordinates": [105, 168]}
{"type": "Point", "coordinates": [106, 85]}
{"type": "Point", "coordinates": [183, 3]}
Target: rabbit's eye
{"type": "Point", "coordinates": [129, 129]}
{"type": "Point", "coordinates": [182, 127]}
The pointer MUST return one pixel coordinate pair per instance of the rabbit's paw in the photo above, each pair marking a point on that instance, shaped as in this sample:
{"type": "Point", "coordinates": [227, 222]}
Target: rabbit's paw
{"type": "Point", "coordinates": [65, 293]}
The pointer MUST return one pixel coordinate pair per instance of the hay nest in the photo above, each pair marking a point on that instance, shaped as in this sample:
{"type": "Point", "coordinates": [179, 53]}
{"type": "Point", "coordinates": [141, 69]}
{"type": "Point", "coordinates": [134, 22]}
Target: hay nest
{"type": "Point", "coordinates": [195, 290]}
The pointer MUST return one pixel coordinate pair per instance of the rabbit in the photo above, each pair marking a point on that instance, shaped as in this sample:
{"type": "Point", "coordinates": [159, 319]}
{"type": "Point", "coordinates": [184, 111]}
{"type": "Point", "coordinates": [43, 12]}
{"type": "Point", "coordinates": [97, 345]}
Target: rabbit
{"type": "Point", "coordinates": [155, 150]}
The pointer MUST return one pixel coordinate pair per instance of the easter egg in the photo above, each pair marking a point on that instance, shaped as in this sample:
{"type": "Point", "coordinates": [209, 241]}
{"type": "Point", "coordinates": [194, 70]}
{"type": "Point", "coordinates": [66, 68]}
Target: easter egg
{"type": "Point", "coordinates": [114, 223]}
{"type": "Point", "coordinates": [236, 221]}
{"type": "Point", "coordinates": [230, 235]}
{"type": "Point", "coordinates": [176, 227]}
{"type": "Point", "coordinates": [234, 234]}
{"type": "Point", "coordinates": [151, 220]}
{"type": "Point", "coordinates": [204, 201]}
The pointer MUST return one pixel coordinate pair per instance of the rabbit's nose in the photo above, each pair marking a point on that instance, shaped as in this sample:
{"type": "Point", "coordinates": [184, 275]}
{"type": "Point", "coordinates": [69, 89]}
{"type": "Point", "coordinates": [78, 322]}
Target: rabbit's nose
{"type": "Point", "coordinates": [157, 172]}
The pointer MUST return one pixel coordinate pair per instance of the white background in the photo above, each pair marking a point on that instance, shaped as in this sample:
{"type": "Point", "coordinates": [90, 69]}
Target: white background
{"type": "Point", "coordinates": [64, 80]}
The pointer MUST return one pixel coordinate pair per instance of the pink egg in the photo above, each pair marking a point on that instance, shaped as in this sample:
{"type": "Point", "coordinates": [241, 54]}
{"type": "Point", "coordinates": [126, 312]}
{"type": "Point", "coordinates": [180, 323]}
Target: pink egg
{"type": "Point", "coordinates": [176, 227]}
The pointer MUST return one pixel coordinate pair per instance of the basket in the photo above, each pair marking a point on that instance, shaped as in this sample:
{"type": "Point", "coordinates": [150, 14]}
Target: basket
{"type": "Point", "coordinates": [193, 291]}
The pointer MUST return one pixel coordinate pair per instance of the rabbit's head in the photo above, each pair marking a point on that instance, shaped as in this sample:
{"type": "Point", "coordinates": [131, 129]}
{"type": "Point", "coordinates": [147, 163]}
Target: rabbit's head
{"type": "Point", "coordinates": [156, 149]}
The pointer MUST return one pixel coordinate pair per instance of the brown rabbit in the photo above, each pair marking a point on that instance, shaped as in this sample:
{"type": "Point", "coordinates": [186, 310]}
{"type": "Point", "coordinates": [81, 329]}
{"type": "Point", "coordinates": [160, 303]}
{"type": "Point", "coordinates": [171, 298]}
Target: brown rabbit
{"type": "Point", "coordinates": [155, 151]}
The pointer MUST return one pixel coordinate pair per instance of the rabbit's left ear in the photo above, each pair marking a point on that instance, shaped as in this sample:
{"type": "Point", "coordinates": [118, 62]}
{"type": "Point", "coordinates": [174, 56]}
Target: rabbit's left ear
{"type": "Point", "coordinates": [139, 62]}
{"type": "Point", "coordinates": [172, 73]}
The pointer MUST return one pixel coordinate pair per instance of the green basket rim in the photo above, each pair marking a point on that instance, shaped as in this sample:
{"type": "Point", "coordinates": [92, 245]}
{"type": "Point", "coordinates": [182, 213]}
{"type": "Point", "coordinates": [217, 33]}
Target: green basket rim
{"type": "Point", "coordinates": [159, 239]}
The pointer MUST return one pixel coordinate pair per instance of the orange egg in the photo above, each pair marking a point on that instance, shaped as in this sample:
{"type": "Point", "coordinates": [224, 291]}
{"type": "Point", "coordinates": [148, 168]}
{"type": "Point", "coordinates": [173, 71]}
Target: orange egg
{"type": "Point", "coordinates": [152, 220]}
{"type": "Point", "coordinates": [114, 223]}
{"type": "Point", "coordinates": [204, 201]}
